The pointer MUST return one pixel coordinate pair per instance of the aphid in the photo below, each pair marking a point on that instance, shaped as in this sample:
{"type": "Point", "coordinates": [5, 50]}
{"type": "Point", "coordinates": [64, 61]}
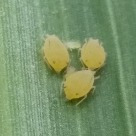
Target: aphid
{"type": "Point", "coordinates": [55, 53]}
{"type": "Point", "coordinates": [92, 54]}
{"type": "Point", "coordinates": [78, 84]}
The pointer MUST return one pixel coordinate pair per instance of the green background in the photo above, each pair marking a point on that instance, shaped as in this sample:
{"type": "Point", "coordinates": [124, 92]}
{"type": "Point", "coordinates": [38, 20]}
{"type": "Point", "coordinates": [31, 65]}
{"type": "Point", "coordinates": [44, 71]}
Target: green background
{"type": "Point", "coordinates": [31, 102]}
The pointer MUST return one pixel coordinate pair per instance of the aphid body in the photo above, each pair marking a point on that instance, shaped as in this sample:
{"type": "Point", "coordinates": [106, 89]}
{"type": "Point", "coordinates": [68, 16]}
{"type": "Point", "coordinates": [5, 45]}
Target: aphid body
{"type": "Point", "coordinates": [55, 53]}
{"type": "Point", "coordinates": [92, 54]}
{"type": "Point", "coordinates": [78, 84]}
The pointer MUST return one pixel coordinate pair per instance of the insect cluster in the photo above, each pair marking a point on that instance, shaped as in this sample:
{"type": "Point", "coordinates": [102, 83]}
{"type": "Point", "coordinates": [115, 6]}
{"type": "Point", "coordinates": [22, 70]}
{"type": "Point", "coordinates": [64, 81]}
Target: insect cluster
{"type": "Point", "coordinates": [77, 84]}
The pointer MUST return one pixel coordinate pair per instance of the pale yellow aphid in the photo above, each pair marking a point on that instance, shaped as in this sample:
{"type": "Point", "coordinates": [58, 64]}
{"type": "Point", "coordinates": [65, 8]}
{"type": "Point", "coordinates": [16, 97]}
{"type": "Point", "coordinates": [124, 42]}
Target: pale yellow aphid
{"type": "Point", "coordinates": [92, 54]}
{"type": "Point", "coordinates": [55, 53]}
{"type": "Point", "coordinates": [78, 84]}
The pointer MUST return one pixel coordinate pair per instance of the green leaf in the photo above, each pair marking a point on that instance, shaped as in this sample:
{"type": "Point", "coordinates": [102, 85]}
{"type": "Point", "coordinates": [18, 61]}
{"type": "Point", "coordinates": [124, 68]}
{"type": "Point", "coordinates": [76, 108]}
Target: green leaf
{"type": "Point", "coordinates": [31, 100]}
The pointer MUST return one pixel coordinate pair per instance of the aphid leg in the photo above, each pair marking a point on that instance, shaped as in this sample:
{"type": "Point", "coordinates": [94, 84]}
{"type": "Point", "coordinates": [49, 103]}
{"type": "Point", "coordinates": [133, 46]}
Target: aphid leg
{"type": "Point", "coordinates": [82, 64]}
{"type": "Point", "coordinates": [43, 37]}
{"type": "Point", "coordinates": [79, 51]}
{"type": "Point", "coordinates": [69, 63]}
{"type": "Point", "coordinates": [42, 51]}
{"type": "Point", "coordinates": [100, 67]}
{"type": "Point", "coordinates": [48, 63]}
{"type": "Point", "coordinates": [93, 89]}
{"type": "Point", "coordinates": [66, 100]}
{"type": "Point", "coordinates": [61, 88]}
{"type": "Point", "coordinates": [81, 100]}
{"type": "Point", "coordinates": [86, 40]}
{"type": "Point", "coordinates": [47, 35]}
{"type": "Point", "coordinates": [66, 69]}
{"type": "Point", "coordinates": [81, 61]}
{"type": "Point", "coordinates": [97, 77]}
